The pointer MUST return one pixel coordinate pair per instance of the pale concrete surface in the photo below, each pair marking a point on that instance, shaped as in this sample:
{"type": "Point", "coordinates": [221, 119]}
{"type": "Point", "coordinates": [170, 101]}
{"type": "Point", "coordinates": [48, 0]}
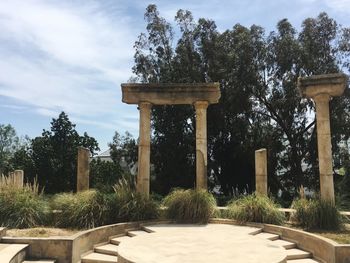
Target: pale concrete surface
{"type": "Point", "coordinates": [98, 258]}
{"type": "Point", "coordinates": [10, 251]}
{"type": "Point", "coordinates": [109, 249]}
{"type": "Point", "coordinates": [39, 261]}
{"type": "Point", "coordinates": [305, 260]}
{"type": "Point", "coordinates": [200, 243]}
{"type": "Point", "coordinates": [295, 253]}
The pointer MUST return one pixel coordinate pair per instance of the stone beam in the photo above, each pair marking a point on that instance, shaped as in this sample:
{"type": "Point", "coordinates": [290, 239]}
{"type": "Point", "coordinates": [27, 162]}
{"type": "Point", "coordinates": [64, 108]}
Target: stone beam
{"type": "Point", "coordinates": [170, 93]}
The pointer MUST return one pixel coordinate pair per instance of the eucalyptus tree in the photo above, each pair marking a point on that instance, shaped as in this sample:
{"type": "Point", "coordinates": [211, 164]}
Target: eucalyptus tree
{"type": "Point", "coordinates": [260, 105]}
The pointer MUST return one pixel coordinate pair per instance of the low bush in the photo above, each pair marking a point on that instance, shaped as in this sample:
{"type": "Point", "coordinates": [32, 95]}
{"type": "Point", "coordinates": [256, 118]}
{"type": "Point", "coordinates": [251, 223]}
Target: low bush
{"type": "Point", "coordinates": [316, 214]}
{"type": "Point", "coordinates": [255, 208]}
{"type": "Point", "coordinates": [190, 206]}
{"type": "Point", "coordinates": [22, 207]}
{"type": "Point", "coordinates": [128, 205]}
{"type": "Point", "coordinates": [81, 210]}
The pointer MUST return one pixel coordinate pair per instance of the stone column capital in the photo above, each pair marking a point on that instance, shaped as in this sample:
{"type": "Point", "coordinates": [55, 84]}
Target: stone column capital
{"type": "Point", "coordinates": [322, 97]}
{"type": "Point", "coordinates": [144, 105]}
{"type": "Point", "coordinates": [201, 104]}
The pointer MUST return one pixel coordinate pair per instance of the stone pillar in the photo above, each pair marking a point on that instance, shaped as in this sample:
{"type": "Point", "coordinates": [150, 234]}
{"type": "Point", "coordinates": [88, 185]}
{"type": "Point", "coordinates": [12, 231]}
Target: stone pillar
{"type": "Point", "coordinates": [261, 171]}
{"type": "Point", "coordinates": [324, 146]}
{"type": "Point", "coordinates": [201, 144]}
{"type": "Point", "coordinates": [18, 178]}
{"type": "Point", "coordinates": [321, 88]}
{"type": "Point", "coordinates": [143, 173]}
{"type": "Point", "coordinates": [83, 169]}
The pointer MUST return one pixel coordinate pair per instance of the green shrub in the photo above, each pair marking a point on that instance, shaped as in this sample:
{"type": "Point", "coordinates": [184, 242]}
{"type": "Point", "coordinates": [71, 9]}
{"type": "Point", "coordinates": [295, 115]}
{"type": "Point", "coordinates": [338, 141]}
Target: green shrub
{"type": "Point", "coordinates": [316, 213]}
{"type": "Point", "coordinates": [128, 205]}
{"type": "Point", "coordinates": [255, 208]}
{"type": "Point", "coordinates": [190, 206]}
{"type": "Point", "coordinates": [22, 207]}
{"type": "Point", "coordinates": [81, 210]}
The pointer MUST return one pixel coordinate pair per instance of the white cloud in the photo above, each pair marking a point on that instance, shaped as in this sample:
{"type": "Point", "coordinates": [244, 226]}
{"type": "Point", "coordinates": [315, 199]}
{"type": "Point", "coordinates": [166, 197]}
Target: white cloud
{"type": "Point", "coordinates": [57, 55]}
{"type": "Point", "coordinates": [339, 5]}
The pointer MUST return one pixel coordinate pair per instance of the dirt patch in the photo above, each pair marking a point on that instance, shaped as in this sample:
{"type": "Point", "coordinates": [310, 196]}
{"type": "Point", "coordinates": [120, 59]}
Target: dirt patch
{"type": "Point", "coordinates": [40, 232]}
{"type": "Point", "coordinates": [341, 236]}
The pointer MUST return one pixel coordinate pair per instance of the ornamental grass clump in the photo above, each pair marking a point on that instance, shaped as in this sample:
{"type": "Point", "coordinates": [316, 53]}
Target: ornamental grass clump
{"type": "Point", "coordinates": [255, 208]}
{"type": "Point", "coordinates": [190, 206]}
{"type": "Point", "coordinates": [21, 207]}
{"type": "Point", "coordinates": [82, 210]}
{"type": "Point", "coordinates": [128, 205]}
{"type": "Point", "coordinates": [316, 214]}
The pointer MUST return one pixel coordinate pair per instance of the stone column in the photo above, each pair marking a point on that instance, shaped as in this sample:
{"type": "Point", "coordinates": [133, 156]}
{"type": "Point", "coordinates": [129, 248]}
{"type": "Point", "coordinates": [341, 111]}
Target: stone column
{"type": "Point", "coordinates": [324, 146]}
{"type": "Point", "coordinates": [321, 88]}
{"type": "Point", "coordinates": [83, 169]}
{"type": "Point", "coordinates": [18, 177]}
{"type": "Point", "coordinates": [201, 144]}
{"type": "Point", "coordinates": [143, 173]}
{"type": "Point", "coordinates": [261, 171]}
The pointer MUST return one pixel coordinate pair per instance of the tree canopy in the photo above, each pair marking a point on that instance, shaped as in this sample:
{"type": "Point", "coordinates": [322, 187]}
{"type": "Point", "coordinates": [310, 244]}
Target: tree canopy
{"type": "Point", "coordinates": [260, 104]}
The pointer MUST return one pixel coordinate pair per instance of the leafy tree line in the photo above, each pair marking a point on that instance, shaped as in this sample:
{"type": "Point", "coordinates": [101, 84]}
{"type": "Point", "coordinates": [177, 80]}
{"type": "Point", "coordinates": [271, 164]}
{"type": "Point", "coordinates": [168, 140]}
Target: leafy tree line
{"type": "Point", "coordinates": [52, 157]}
{"type": "Point", "coordinates": [260, 105]}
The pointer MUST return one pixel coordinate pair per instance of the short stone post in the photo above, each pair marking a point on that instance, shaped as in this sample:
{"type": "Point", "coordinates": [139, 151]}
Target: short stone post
{"type": "Point", "coordinates": [321, 88]}
{"type": "Point", "coordinates": [143, 173]}
{"type": "Point", "coordinates": [261, 171]}
{"type": "Point", "coordinates": [18, 178]}
{"type": "Point", "coordinates": [83, 169]}
{"type": "Point", "coordinates": [201, 144]}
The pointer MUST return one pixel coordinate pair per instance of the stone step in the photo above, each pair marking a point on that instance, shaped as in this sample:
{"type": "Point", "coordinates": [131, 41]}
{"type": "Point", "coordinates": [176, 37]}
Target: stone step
{"type": "Point", "coordinates": [296, 253]}
{"type": "Point", "coordinates": [108, 249]}
{"type": "Point", "coordinates": [98, 258]}
{"type": "Point", "coordinates": [257, 231]}
{"type": "Point", "coordinates": [40, 261]}
{"type": "Point", "coordinates": [134, 233]}
{"type": "Point", "coordinates": [118, 240]}
{"type": "Point", "coordinates": [304, 260]}
{"type": "Point", "coordinates": [12, 252]}
{"type": "Point", "coordinates": [268, 236]}
{"type": "Point", "coordinates": [284, 243]}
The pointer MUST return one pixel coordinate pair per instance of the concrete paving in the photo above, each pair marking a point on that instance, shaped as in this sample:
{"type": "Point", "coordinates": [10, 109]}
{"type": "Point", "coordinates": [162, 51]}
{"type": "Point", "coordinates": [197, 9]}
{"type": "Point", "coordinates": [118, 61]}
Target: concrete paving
{"type": "Point", "coordinates": [201, 243]}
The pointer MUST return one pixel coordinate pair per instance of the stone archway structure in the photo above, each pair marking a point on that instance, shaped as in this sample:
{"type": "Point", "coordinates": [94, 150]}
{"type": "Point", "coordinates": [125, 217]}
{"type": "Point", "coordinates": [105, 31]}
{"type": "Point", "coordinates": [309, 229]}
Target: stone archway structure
{"type": "Point", "coordinates": [201, 95]}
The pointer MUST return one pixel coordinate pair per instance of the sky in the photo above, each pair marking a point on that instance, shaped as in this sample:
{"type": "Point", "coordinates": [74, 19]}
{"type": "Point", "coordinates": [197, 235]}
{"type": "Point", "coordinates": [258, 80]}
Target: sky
{"type": "Point", "coordinates": [72, 55]}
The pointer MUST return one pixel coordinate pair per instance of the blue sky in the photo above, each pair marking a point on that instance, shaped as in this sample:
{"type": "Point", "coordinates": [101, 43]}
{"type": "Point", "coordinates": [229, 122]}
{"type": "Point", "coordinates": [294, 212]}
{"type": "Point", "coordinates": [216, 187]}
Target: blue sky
{"type": "Point", "coordinates": [73, 55]}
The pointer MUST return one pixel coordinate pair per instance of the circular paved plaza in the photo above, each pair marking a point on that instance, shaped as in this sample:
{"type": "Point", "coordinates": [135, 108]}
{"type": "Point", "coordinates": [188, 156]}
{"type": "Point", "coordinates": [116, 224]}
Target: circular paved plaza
{"type": "Point", "coordinates": [200, 243]}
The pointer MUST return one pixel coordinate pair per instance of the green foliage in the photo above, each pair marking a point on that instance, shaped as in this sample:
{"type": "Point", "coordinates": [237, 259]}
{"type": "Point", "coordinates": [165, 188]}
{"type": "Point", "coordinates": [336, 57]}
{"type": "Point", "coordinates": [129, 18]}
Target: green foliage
{"type": "Point", "coordinates": [123, 149]}
{"type": "Point", "coordinates": [103, 175]}
{"type": "Point", "coordinates": [190, 206]}
{"type": "Point", "coordinates": [128, 205]}
{"type": "Point", "coordinates": [81, 210]}
{"type": "Point", "coordinates": [9, 142]}
{"type": "Point", "coordinates": [260, 104]}
{"type": "Point", "coordinates": [21, 207]}
{"type": "Point", "coordinates": [316, 214]}
{"type": "Point", "coordinates": [54, 155]}
{"type": "Point", "coordinates": [255, 208]}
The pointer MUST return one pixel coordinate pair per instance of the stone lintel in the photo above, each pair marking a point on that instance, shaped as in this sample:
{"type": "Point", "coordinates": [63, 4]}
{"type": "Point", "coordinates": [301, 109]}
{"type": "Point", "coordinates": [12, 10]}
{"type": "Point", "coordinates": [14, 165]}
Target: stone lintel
{"type": "Point", "coordinates": [170, 93]}
{"type": "Point", "coordinates": [331, 84]}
